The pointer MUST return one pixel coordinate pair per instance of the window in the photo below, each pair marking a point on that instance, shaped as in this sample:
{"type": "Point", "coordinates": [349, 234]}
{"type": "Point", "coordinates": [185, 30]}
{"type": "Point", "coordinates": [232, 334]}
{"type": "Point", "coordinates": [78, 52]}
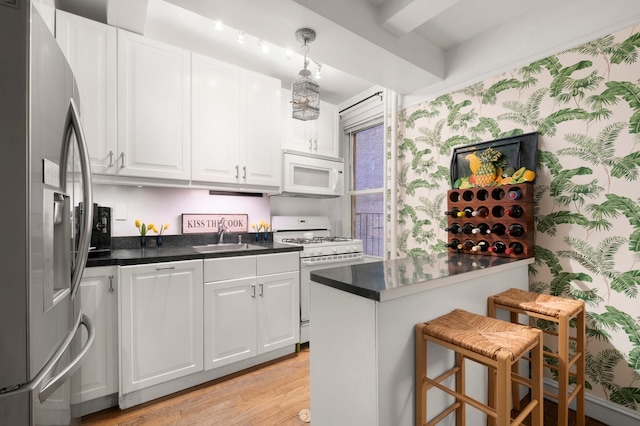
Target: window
{"type": "Point", "coordinates": [367, 188]}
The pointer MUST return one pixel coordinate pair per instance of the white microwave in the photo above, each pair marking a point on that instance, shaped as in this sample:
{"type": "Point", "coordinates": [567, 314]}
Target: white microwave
{"type": "Point", "coordinates": [309, 175]}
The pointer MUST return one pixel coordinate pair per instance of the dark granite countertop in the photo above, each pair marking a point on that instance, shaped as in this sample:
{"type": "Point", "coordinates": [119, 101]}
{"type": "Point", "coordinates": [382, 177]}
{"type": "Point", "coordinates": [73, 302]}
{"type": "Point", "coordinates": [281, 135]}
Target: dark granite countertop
{"type": "Point", "coordinates": [172, 253]}
{"type": "Point", "coordinates": [390, 279]}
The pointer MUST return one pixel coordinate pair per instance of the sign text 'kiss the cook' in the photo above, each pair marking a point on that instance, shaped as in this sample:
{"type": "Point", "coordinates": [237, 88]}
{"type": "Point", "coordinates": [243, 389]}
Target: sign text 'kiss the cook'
{"type": "Point", "coordinates": [203, 223]}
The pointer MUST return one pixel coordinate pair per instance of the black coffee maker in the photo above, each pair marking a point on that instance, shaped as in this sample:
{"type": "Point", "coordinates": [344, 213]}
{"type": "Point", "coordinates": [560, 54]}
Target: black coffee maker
{"type": "Point", "coordinates": [100, 230]}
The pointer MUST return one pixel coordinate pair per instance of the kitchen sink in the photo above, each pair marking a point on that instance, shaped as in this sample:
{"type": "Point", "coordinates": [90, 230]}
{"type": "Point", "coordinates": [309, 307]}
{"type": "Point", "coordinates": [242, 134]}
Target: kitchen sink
{"type": "Point", "coordinates": [215, 248]}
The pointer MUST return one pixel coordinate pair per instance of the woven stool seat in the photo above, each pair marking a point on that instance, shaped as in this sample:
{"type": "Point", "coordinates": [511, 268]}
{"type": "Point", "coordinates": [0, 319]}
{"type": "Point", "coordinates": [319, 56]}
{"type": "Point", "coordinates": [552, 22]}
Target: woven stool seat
{"type": "Point", "coordinates": [482, 335]}
{"type": "Point", "coordinates": [543, 304]}
{"type": "Point", "coordinates": [495, 344]}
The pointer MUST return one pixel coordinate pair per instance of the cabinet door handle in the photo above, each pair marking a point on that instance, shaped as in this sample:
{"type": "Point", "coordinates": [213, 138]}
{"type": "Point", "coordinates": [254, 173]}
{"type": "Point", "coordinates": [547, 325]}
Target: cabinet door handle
{"type": "Point", "coordinates": [163, 268]}
{"type": "Point", "coordinates": [315, 143]}
{"type": "Point", "coordinates": [253, 290]}
{"type": "Point", "coordinates": [122, 160]}
{"type": "Point", "coordinates": [237, 171]}
{"type": "Point", "coordinates": [110, 283]}
{"type": "Point", "coordinates": [244, 172]}
{"type": "Point", "coordinates": [261, 290]}
{"type": "Point", "coordinates": [310, 144]}
{"type": "Point", "coordinates": [110, 159]}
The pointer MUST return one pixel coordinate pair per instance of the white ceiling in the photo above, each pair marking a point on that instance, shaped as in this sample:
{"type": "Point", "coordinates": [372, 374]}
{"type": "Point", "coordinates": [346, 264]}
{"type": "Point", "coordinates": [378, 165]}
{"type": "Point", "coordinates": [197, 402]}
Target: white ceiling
{"type": "Point", "coordinates": [415, 47]}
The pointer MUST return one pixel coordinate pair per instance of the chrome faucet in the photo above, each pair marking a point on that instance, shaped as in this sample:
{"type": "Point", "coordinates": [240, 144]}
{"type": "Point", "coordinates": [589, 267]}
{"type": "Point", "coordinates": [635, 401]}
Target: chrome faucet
{"type": "Point", "coordinates": [221, 231]}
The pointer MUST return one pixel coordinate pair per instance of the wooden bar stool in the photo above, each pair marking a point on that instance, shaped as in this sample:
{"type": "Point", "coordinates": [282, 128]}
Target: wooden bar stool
{"type": "Point", "coordinates": [493, 343]}
{"type": "Point", "coordinates": [560, 311]}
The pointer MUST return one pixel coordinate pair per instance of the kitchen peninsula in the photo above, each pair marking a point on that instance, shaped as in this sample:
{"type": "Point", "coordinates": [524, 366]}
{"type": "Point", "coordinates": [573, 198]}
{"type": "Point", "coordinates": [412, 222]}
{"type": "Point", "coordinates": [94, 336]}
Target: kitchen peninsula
{"type": "Point", "coordinates": [362, 362]}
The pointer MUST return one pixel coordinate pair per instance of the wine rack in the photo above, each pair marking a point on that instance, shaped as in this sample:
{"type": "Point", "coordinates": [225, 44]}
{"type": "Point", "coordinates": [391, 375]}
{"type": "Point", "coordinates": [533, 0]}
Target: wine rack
{"type": "Point", "coordinates": [496, 202]}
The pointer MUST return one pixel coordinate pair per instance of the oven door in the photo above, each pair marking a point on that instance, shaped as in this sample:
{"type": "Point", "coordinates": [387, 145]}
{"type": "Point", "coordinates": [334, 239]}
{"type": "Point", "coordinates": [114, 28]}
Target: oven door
{"type": "Point", "coordinates": [305, 280]}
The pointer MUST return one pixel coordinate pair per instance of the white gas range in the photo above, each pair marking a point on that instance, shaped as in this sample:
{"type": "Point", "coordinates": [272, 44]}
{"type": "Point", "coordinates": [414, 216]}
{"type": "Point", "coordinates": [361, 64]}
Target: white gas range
{"type": "Point", "coordinates": [319, 250]}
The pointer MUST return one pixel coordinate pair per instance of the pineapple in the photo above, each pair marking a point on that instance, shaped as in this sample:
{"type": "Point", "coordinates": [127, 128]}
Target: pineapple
{"type": "Point", "coordinates": [486, 174]}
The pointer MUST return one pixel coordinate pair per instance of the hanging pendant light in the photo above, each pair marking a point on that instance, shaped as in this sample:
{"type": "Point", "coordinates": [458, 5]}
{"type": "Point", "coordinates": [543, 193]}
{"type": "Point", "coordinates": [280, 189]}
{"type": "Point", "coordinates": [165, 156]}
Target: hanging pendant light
{"type": "Point", "coordinates": [305, 92]}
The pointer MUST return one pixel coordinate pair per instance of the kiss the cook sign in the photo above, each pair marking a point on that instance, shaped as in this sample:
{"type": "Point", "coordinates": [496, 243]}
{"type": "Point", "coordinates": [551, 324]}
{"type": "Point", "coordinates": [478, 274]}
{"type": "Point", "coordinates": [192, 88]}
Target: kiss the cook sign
{"type": "Point", "coordinates": [206, 223]}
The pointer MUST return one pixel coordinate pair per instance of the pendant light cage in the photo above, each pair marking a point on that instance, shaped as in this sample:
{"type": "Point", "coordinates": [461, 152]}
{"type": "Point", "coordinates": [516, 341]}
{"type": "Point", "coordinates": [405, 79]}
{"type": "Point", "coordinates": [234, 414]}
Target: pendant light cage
{"type": "Point", "coordinates": [305, 92]}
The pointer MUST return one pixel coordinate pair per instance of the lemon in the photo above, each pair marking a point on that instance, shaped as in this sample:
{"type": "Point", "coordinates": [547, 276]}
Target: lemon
{"type": "Point", "coordinates": [528, 175]}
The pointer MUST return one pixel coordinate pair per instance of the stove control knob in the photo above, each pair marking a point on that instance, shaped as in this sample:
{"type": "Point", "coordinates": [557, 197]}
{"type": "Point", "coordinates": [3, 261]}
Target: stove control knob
{"type": "Point", "coordinates": [334, 249]}
{"type": "Point", "coordinates": [312, 252]}
{"type": "Point", "coordinates": [351, 249]}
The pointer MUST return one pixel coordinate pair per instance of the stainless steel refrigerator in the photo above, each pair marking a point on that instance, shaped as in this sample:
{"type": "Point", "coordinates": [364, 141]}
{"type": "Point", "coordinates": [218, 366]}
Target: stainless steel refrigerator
{"type": "Point", "coordinates": [44, 174]}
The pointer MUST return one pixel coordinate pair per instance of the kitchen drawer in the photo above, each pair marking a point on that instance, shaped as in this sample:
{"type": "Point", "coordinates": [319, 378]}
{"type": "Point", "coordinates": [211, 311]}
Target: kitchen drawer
{"type": "Point", "coordinates": [279, 262]}
{"type": "Point", "coordinates": [229, 268]}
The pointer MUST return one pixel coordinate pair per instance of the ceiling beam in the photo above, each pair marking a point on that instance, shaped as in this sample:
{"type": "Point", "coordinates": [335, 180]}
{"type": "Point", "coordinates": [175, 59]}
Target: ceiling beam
{"type": "Point", "coordinates": [400, 17]}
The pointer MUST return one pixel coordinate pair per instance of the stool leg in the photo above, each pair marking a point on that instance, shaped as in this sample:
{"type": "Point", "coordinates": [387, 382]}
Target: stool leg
{"type": "Point", "coordinates": [580, 366]}
{"type": "Point", "coordinates": [563, 370]}
{"type": "Point", "coordinates": [515, 369]}
{"type": "Point", "coordinates": [420, 372]}
{"type": "Point", "coordinates": [491, 372]}
{"type": "Point", "coordinates": [537, 415]}
{"type": "Point", "coordinates": [461, 412]}
{"type": "Point", "coordinates": [503, 388]}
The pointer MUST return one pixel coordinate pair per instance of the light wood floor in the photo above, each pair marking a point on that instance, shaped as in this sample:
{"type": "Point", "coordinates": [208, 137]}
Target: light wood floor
{"type": "Point", "coordinates": [271, 395]}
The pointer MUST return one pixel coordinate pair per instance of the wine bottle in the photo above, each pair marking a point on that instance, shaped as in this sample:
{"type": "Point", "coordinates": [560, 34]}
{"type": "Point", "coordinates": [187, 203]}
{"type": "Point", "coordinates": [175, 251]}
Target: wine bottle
{"type": "Point", "coordinates": [468, 228]}
{"type": "Point", "coordinates": [497, 247]}
{"type": "Point", "coordinates": [481, 212]}
{"type": "Point", "coordinates": [514, 211]}
{"type": "Point", "coordinates": [514, 194]}
{"type": "Point", "coordinates": [453, 244]}
{"type": "Point", "coordinates": [481, 229]}
{"type": "Point", "coordinates": [515, 248]}
{"type": "Point", "coordinates": [453, 212]}
{"type": "Point", "coordinates": [466, 212]}
{"type": "Point", "coordinates": [481, 246]}
{"type": "Point", "coordinates": [454, 228]}
{"type": "Point", "coordinates": [515, 230]}
{"type": "Point", "coordinates": [498, 229]}
{"type": "Point", "coordinates": [467, 245]}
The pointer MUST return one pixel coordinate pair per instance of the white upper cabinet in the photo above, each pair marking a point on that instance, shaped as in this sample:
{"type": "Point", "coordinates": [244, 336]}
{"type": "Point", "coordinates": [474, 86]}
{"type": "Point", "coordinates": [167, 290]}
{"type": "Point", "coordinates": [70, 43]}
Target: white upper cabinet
{"type": "Point", "coordinates": [260, 97]}
{"type": "Point", "coordinates": [236, 132]}
{"type": "Point", "coordinates": [216, 120]}
{"type": "Point", "coordinates": [90, 49]}
{"type": "Point", "coordinates": [154, 108]}
{"type": "Point", "coordinates": [314, 136]}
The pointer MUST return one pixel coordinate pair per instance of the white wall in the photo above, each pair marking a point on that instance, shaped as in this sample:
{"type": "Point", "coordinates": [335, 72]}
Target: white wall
{"type": "Point", "coordinates": [166, 205]}
{"type": "Point", "coordinates": [297, 206]}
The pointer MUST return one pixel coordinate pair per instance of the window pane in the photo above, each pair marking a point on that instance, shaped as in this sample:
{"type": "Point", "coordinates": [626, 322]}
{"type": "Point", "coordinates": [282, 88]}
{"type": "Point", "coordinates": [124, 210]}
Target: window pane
{"type": "Point", "coordinates": [368, 161]}
{"type": "Point", "coordinates": [368, 226]}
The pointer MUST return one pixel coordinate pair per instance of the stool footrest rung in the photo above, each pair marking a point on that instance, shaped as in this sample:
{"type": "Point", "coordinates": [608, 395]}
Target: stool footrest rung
{"type": "Point", "coordinates": [444, 414]}
{"type": "Point", "coordinates": [525, 412]}
{"type": "Point", "coordinates": [464, 398]}
{"type": "Point", "coordinates": [441, 377]}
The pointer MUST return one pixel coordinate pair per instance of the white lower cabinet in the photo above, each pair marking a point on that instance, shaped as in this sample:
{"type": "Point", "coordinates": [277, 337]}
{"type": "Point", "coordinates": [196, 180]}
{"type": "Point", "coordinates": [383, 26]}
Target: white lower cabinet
{"type": "Point", "coordinates": [160, 323]}
{"type": "Point", "coordinates": [99, 371]}
{"type": "Point", "coordinates": [251, 306]}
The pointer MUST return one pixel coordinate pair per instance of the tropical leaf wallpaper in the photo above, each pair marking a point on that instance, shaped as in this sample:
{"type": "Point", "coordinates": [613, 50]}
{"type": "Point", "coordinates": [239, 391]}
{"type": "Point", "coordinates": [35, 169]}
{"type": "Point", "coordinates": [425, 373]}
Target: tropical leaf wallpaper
{"type": "Point", "coordinates": [585, 105]}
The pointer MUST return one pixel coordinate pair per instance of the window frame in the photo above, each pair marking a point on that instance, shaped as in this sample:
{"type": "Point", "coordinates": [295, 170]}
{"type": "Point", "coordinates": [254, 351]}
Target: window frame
{"type": "Point", "coordinates": [351, 192]}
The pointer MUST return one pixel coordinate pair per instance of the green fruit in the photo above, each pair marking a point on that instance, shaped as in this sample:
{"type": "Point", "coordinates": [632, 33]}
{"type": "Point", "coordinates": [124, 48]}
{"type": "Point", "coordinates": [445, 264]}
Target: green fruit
{"type": "Point", "coordinates": [509, 171]}
{"type": "Point", "coordinates": [457, 183]}
{"type": "Point", "coordinates": [519, 173]}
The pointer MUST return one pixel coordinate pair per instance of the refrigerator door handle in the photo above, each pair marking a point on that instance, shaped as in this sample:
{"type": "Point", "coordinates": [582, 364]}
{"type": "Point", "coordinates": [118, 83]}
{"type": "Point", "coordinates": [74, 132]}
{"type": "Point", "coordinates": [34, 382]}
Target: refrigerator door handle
{"type": "Point", "coordinates": [73, 125]}
{"type": "Point", "coordinates": [55, 382]}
